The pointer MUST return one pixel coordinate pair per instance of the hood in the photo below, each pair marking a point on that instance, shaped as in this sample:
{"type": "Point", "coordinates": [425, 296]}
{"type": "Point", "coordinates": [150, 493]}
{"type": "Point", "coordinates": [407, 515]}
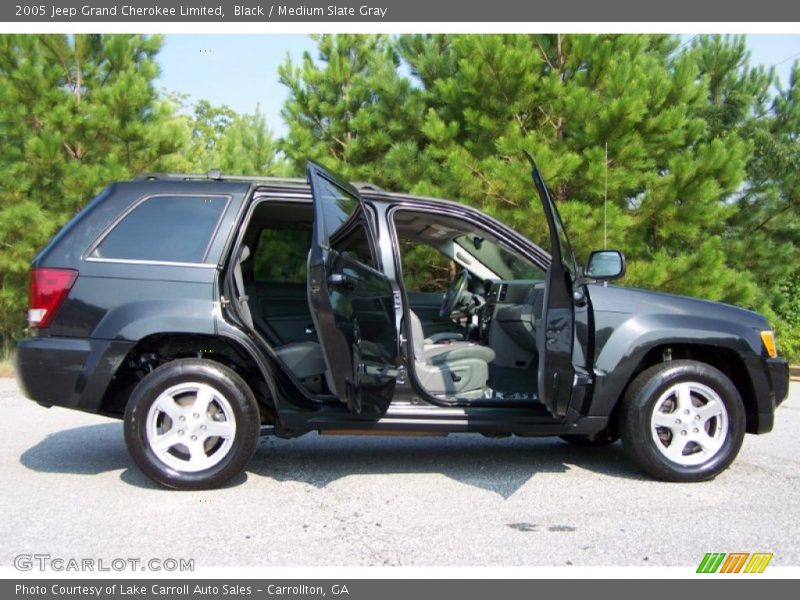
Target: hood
{"type": "Point", "coordinates": [634, 301]}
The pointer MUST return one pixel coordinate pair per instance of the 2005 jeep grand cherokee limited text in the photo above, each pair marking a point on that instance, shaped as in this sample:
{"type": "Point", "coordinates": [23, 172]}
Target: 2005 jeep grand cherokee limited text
{"type": "Point", "coordinates": [205, 311]}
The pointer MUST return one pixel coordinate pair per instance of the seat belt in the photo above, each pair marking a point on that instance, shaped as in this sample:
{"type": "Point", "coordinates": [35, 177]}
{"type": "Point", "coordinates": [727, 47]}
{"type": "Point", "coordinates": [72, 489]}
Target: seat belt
{"type": "Point", "coordinates": [242, 298]}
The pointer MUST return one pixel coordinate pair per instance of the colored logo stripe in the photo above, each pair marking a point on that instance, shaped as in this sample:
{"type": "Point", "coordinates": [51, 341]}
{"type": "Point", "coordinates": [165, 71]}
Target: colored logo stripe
{"type": "Point", "coordinates": [711, 562]}
{"type": "Point", "coordinates": [758, 562]}
{"type": "Point", "coordinates": [734, 562]}
{"type": "Point", "coordinates": [717, 561]}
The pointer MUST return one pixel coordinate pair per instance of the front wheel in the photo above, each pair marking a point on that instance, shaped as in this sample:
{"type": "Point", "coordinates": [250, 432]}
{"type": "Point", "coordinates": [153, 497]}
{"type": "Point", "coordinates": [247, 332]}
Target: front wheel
{"type": "Point", "coordinates": [192, 424]}
{"type": "Point", "coordinates": [682, 421]}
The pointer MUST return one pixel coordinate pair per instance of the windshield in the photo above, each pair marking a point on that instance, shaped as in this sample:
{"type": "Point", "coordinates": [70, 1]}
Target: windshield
{"type": "Point", "coordinates": [507, 264]}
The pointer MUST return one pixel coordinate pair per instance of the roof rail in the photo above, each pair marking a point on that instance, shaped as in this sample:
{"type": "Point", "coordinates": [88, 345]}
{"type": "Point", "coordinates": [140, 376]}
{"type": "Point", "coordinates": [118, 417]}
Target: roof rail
{"type": "Point", "coordinates": [365, 186]}
{"type": "Point", "coordinates": [216, 175]}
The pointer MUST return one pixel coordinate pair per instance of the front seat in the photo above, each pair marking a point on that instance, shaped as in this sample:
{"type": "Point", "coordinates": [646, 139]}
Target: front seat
{"type": "Point", "coordinates": [447, 369]}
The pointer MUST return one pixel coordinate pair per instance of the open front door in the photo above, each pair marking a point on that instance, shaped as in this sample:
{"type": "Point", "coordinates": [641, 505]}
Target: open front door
{"type": "Point", "coordinates": [555, 337]}
{"type": "Point", "coordinates": [351, 301]}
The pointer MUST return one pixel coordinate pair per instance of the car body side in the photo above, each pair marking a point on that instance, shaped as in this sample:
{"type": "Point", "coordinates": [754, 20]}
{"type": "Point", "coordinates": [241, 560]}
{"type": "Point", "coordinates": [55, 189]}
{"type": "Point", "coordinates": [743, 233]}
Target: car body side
{"type": "Point", "coordinates": [120, 313]}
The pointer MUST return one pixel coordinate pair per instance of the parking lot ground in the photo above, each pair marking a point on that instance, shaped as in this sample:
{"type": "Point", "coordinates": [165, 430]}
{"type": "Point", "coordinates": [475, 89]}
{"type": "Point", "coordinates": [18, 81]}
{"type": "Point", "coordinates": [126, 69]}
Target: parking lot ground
{"type": "Point", "coordinates": [69, 489]}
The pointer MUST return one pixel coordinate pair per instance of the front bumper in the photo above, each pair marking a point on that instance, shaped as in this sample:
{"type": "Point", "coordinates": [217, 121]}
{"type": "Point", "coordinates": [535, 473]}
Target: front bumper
{"type": "Point", "coordinates": [771, 383]}
{"type": "Point", "coordinates": [779, 376]}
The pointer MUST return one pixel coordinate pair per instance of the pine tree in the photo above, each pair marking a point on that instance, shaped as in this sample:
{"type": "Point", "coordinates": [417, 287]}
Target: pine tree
{"type": "Point", "coordinates": [695, 157]}
{"type": "Point", "coordinates": [566, 99]}
{"type": "Point", "coordinates": [208, 124]}
{"type": "Point", "coordinates": [350, 107]}
{"type": "Point", "coordinates": [76, 112]}
{"type": "Point", "coordinates": [247, 146]}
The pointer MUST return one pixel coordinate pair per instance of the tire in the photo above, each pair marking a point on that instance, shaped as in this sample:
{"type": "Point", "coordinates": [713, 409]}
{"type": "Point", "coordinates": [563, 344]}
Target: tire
{"type": "Point", "coordinates": [173, 414]}
{"type": "Point", "coordinates": [683, 421]}
{"type": "Point", "coordinates": [594, 440]}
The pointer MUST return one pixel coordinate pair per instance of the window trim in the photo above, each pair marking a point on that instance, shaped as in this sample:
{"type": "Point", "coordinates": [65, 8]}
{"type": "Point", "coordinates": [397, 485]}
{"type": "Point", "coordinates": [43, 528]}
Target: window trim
{"type": "Point", "coordinates": [87, 255]}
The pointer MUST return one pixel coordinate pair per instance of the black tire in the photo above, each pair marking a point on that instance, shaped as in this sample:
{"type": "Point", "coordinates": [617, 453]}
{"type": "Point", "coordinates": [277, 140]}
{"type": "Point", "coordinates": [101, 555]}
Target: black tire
{"type": "Point", "coordinates": [637, 412]}
{"type": "Point", "coordinates": [241, 407]}
{"type": "Point", "coordinates": [594, 440]}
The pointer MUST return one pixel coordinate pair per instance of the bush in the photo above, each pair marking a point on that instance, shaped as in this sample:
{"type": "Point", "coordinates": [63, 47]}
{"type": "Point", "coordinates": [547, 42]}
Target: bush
{"type": "Point", "coordinates": [788, 325]}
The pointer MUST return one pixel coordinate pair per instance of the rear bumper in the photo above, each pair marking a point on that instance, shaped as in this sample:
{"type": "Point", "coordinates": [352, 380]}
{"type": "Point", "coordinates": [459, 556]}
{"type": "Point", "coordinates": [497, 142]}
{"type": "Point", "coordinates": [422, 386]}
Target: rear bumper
{"type": "Point", "coordinates": [68, 372]}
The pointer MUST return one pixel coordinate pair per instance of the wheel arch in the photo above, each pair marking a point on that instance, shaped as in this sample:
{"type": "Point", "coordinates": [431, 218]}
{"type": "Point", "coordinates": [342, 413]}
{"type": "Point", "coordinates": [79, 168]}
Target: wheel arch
{"type": "Point", "coordinates": [725, 359]}
{"type": "Point", "coordinates": [156, 349]}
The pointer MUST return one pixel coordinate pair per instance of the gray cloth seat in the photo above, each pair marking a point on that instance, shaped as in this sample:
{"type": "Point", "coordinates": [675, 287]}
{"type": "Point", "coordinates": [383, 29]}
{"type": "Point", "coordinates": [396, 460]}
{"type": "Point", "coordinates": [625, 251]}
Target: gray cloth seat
{"type": "Point", "coordinates": [437, 353]}
{"type": "Point", "coordinates": [446, 369]}
{"type": "Point", "coordinates": [444, 336]}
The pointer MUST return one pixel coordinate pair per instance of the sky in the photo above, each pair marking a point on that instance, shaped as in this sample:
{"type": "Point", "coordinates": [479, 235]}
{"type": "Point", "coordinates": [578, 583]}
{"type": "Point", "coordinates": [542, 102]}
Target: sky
{"type": "Point", "coordinates": [241, 71]}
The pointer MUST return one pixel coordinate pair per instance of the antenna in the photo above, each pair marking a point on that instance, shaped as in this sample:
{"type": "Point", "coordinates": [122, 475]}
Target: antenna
{"type": "Point", "coordinates": [605, 206]}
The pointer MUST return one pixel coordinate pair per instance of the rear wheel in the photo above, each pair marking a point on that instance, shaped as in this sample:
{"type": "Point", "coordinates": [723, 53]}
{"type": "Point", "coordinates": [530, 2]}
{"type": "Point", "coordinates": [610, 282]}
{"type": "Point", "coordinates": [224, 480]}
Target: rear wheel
{"type": "Point", "coordinates": [192, 424]}
{"type": "Point", "coordinates": [682, 421]}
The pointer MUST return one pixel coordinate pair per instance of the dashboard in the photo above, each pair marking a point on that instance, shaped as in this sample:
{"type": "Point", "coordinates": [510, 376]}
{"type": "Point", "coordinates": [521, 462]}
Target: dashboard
{"type": "Point", "coordinates": [513, 307]}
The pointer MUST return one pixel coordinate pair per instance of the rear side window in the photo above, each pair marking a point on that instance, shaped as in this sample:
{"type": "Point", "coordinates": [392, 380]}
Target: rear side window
{"type": "Point", "coordinates": [165, 229]}
{"type": "Point", "coordinates": [281, 256]}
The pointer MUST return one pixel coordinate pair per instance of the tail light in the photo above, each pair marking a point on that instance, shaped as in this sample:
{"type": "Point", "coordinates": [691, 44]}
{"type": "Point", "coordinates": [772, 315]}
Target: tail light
{"type": "Point", "coordinates": [46, 292]}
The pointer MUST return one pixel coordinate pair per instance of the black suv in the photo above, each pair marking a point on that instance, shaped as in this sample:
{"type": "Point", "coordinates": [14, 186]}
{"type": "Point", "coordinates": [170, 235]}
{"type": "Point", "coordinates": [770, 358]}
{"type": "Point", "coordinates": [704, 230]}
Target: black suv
{"type": "Point", "coordinates": [207, 310]}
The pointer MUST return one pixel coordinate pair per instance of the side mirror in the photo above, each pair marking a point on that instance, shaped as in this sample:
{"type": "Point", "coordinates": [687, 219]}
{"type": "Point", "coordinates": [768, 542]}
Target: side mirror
{"type": "Point", "coordinates": [605, 265]}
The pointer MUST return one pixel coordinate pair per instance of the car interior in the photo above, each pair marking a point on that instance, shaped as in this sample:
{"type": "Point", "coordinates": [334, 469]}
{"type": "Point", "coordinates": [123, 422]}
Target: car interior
{"type": "Point", "coordinates": [473, 338]}
{"type": "Point", "coordinates": [493, 303]}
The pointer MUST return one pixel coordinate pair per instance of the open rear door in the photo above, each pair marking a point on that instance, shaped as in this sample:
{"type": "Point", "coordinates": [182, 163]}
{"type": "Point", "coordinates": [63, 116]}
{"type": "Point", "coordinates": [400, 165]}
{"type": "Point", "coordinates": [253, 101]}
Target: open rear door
{"type": "Point", "coordinates": [556, 336]}
{"type": "Point", "coordinates": [351, 301]}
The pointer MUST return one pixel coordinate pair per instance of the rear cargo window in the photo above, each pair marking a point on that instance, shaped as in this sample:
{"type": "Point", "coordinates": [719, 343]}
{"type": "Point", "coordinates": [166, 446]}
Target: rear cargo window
{"type": "Point", "coordinates": [165, 229]}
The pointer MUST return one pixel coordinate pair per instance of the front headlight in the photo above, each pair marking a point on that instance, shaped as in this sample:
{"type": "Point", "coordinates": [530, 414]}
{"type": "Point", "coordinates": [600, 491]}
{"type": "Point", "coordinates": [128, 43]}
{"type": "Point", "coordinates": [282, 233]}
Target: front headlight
{"type": "Point", "coordinates": [768, 339]}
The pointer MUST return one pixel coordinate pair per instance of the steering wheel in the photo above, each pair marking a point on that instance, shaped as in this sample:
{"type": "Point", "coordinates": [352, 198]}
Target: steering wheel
{"type": "Point", "coordinates": [455, 291]}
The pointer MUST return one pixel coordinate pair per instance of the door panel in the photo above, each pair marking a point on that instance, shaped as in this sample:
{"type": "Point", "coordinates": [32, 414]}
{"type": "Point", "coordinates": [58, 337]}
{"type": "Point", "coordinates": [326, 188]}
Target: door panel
{"type": "Point", "coordinates": [556, 372]}
{"type": "Point", "coordinates": [351, 303]}
{"type": "Point", "coordinates": [283, 308]}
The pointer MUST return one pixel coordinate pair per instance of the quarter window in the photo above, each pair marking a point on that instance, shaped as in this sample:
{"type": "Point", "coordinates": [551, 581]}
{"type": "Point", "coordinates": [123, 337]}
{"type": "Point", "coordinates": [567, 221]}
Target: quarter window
{"type": "Point", "coordinates": [165, 229]}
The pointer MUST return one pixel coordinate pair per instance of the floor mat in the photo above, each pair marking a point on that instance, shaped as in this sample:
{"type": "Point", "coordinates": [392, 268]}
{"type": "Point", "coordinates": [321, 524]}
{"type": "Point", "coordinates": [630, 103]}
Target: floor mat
{"type": "Point", "coordinates": [508, 382]}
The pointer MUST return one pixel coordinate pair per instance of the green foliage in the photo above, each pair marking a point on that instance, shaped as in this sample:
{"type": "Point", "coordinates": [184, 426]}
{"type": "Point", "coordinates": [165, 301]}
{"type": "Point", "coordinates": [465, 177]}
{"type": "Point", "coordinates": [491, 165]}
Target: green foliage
{"type": "Point", "coordinates": [237, 144]}
{"type": "Point", "coordinates": [79, 112]}
{"type": "Point", "coordinates": [567, 99]}
{"type": "Point", "coordinates": [76, 112]}
{"type": "Point", "coordinates": [349, 108]}
{"type": "Point", "coordinates": [695, 150]}
{"type": "Point", "coordinates": [281, 256]}
{"type": "Point", "coordinates": [761, 226]}
{"type": "Point", "coordinates": [788, 322]}
{"type": "Point", "coordinates": [209, 124]}
{"type": "Point", "coordinates": [425, 269]}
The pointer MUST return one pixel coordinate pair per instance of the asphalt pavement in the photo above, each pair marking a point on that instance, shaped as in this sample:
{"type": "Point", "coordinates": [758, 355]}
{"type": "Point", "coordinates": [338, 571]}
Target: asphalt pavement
{"type": "Point", "coordinates": [69, 489]}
